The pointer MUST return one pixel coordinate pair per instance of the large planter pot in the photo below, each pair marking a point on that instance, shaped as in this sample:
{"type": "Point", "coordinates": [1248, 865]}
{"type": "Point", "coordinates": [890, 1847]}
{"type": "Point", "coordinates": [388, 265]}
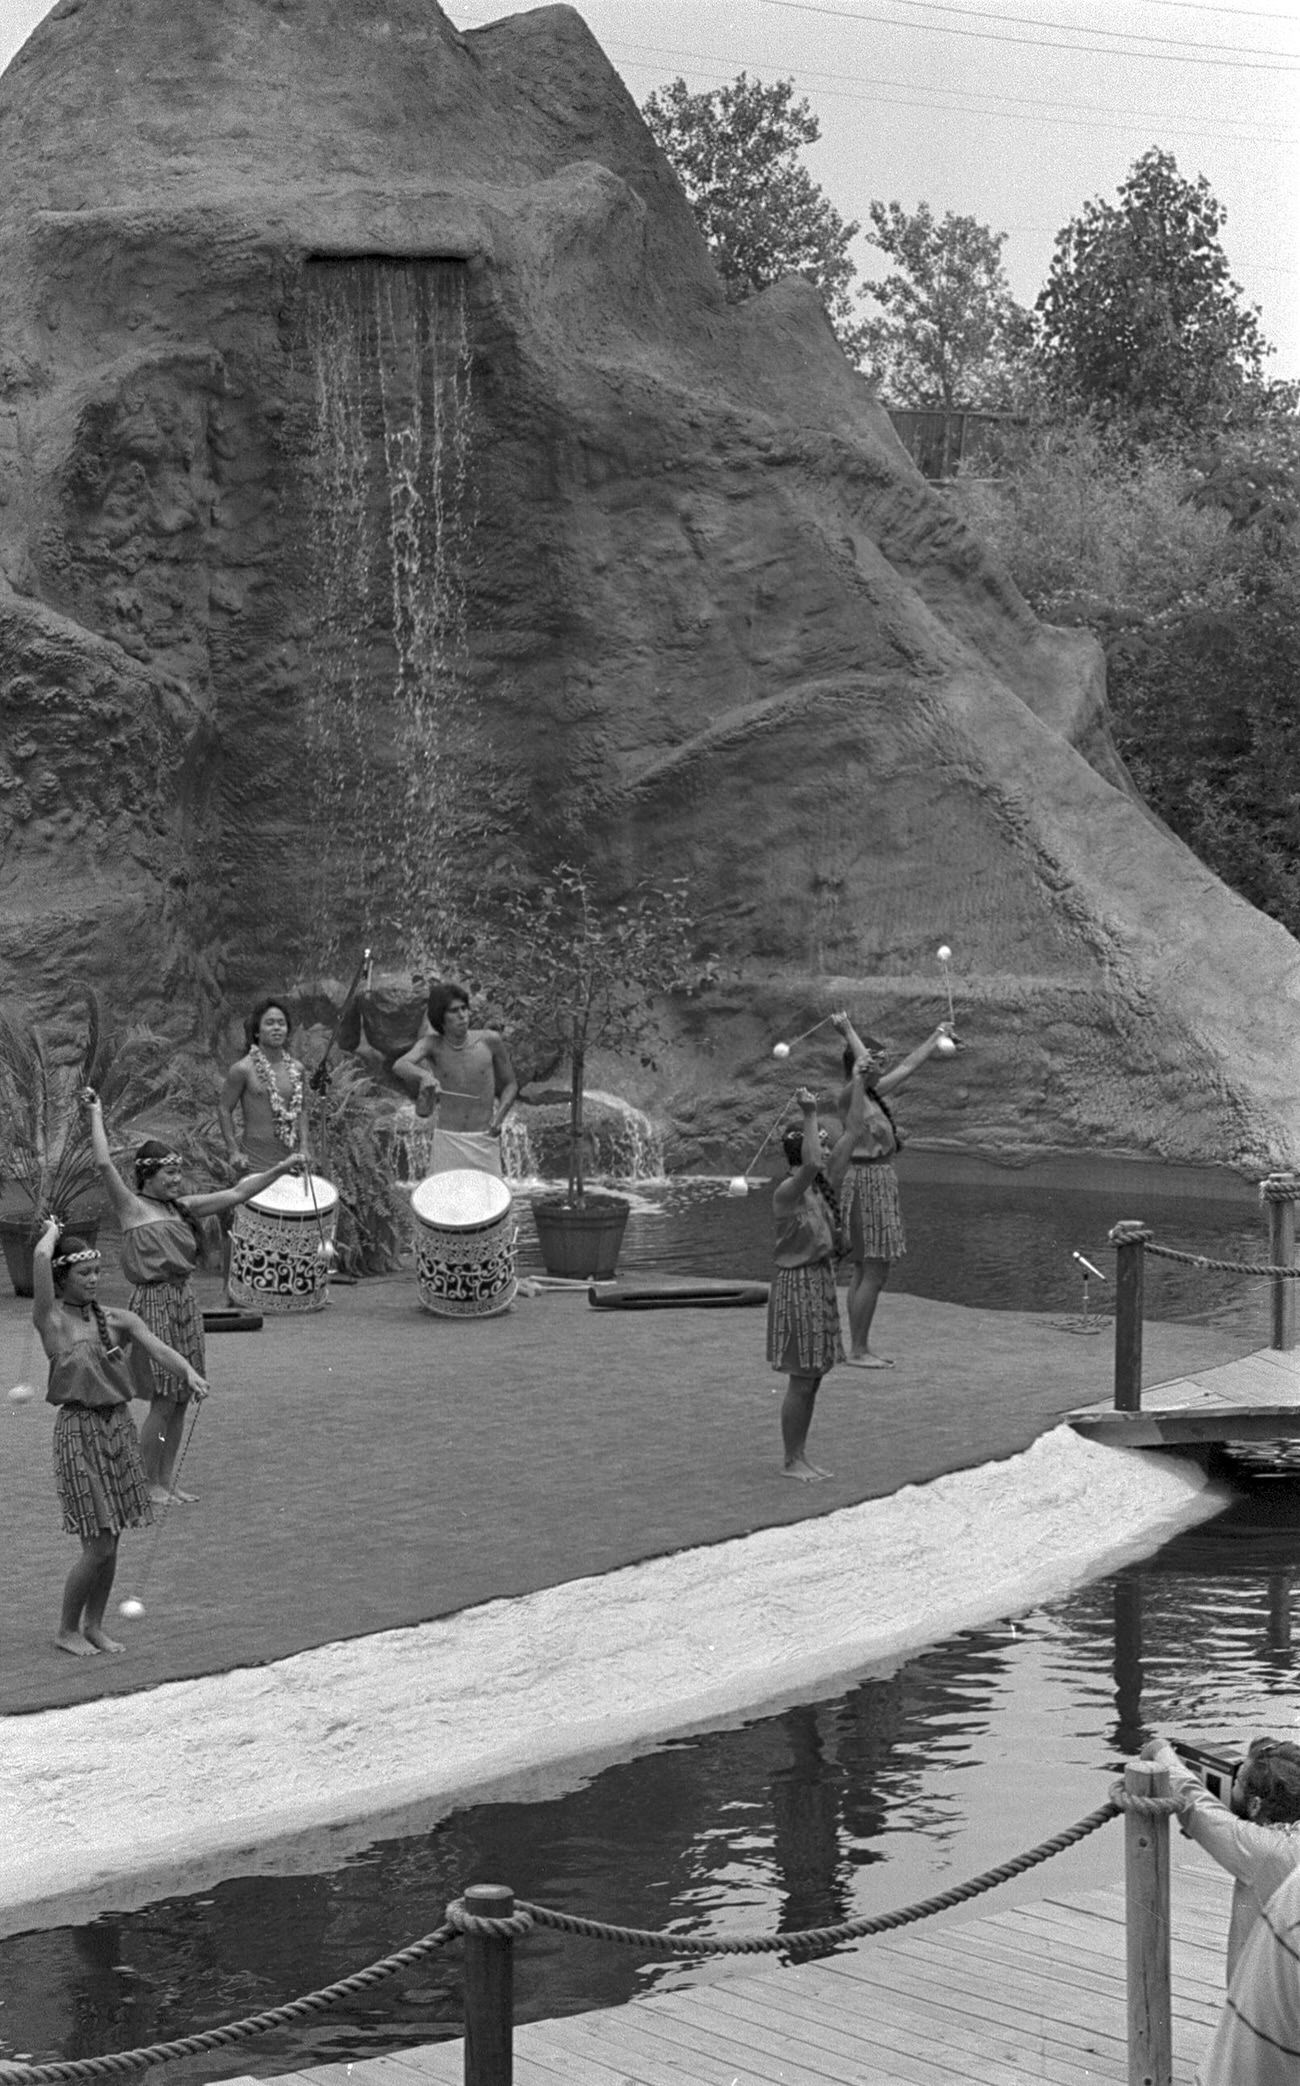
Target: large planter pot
{"type": "Point", "coordinates": [581, 1241]}
{"type": "Point", "coordinates": [18, 1242]}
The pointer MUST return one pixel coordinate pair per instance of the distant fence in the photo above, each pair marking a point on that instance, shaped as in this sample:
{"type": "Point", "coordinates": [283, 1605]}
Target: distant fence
{"type": "Point", "coordinates": [940, 444]}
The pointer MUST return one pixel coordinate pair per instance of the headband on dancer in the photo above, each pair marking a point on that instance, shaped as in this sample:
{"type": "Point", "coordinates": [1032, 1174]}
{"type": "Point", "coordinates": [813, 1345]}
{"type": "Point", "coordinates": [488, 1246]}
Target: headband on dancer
{"type": "Point", "coordinates": [70, 1260]}
{"type": "Point", "coordinates": [153, 1162]}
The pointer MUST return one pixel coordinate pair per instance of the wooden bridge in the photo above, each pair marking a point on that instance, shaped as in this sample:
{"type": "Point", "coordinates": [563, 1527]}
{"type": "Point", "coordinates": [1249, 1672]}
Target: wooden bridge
{"type": "Point", "coordinates": [1034, 1992]}
{"type": "Point", "coordinates": [1254, 1399]}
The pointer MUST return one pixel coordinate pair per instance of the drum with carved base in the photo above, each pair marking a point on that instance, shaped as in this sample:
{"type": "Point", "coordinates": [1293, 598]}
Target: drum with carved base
{"type": "Point", "coordinates": [282, 1246]}
{"type": "Point", "coordinates": [464, 1244]}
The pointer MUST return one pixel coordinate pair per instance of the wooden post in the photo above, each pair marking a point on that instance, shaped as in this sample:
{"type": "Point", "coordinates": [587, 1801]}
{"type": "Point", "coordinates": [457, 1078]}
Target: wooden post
{"type": "Point", "coordinates": [1146, 1912]}
{"type": "Point", "coordinates": [1130, 1267]}
{"type": "Point", "coordinates": [489, 1991]}
{"type": "Point", "coordinates": [1281, 1254]}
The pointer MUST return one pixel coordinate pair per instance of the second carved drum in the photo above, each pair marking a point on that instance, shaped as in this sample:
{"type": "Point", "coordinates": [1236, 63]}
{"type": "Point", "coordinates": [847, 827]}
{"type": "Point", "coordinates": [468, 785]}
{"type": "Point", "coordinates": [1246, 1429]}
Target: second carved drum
{"type": "Point", "coordinates": [281, 1246]}
{"type": "Point", "coordinates": [465, 1244]}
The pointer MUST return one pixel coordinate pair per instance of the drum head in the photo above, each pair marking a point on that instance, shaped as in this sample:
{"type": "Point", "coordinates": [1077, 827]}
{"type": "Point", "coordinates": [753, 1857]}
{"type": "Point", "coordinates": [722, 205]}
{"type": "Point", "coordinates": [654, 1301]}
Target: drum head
{"type": "Point", "coordinates": [461, 1199]}
{"type": "Point", "coordinates": [291, 1196]}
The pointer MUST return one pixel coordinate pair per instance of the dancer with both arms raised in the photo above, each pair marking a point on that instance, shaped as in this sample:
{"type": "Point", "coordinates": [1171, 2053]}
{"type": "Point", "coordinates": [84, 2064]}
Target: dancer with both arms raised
{"type": "Point", "coordinates": [95, 1356]}
{"type": "Point", "coordinates": [160, 1251]}
{"type": "Point", "coordinates": [872, 1217]}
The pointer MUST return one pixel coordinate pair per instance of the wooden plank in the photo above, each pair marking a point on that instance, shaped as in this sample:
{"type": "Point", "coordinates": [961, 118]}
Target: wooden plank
{"type": "Point", "coordinates": [764, 2041]}
{"type": "Point", "coordinates": [969, 2055]}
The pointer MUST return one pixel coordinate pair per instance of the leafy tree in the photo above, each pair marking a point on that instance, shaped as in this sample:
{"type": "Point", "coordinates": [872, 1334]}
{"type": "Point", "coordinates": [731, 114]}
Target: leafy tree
{"type": "Point", "coordinates": [1139, 315]}
{"type": "Point", "coordinates": [735, 151]}
{"type": "Point", "coordinates": [954, 335]}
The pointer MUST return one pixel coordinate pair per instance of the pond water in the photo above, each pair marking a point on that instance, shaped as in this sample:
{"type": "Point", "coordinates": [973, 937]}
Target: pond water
{"type": "Point", "coordinates": [921, 1773]}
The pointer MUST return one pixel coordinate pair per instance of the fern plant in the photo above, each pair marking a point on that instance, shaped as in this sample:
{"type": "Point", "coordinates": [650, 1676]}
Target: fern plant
{"type": "Point", "coordinates": [44, 1141]}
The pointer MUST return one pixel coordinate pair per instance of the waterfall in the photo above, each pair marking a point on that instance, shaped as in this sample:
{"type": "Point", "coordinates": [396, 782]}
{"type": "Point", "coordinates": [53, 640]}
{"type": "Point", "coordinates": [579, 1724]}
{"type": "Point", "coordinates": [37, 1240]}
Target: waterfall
{"type": "Point", "coordinates": [390, 725]}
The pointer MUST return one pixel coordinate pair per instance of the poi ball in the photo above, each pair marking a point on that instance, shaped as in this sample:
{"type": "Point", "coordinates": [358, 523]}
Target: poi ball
{"type": "Point", "coordinates": [737, 1185]}
{"type": "Point", "coordinates": [325, 1252]}
{"type": "Point", "coordinates": [131, 1608]}
{"type": "Point", "coordinates": [22, 1394]}
{"type": "Point", "coordinates": [946, 1046]}
{"type": "Point", "coordinates": [943, 952]}
{"type": "Point", "coordinates": [780, 1050]}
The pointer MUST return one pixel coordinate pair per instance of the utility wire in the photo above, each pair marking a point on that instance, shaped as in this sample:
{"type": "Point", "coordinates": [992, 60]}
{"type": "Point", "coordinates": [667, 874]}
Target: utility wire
{"type": "Point", "coordinates": [1089, 116]}
{"type": "Point", "coordinates": [1041, 43]}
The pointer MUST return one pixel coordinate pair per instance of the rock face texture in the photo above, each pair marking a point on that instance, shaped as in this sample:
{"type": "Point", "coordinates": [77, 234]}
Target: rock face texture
{"type": "Point", "coordinates": [385, 484]}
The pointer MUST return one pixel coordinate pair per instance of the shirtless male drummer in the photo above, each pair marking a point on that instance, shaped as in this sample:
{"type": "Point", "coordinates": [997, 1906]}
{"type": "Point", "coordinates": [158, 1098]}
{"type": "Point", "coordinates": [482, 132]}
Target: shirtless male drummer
{"type": "Point", "coordinates": [465, 1075]}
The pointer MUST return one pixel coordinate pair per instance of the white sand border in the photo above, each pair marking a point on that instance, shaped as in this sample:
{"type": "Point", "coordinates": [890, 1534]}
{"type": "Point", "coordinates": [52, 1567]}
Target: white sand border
{"type": "Point", "coordinates": [289, 1767]}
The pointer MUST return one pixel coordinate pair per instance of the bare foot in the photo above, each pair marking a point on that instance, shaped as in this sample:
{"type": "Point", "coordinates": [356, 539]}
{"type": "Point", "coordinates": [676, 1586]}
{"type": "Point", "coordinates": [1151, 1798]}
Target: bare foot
{"type": "Point", "coordinates": [73, 1641]}
{"type": "Point", "coordinates": [184, 1499]}
{"type": "Point", "coordinates": [95, 1636]}
{"type": "Point", "coordinates": [159, 1496]}
{"type": "Point", "coordinates": [868, 1361]}
{"type": "Point", "coordinates": [806, 1472]}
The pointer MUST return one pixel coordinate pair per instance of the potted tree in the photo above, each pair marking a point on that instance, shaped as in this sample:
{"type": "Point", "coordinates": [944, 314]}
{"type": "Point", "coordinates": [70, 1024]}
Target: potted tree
{"type": "Point", "coordinates": [582, 977]}
{"type": "Point", "coordinates": [45, 1158]}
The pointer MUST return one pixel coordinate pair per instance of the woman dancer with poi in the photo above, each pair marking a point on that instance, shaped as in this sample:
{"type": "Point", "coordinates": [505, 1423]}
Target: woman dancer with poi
{"type": "Point", "coordinates": [101, 1481]}
{"type": "Point", "coordinates": [160, 1250]}
{"type": "Point", "coordinates": [803, 1317]}
{"type": "Point", "coordinates": [873, 1219]}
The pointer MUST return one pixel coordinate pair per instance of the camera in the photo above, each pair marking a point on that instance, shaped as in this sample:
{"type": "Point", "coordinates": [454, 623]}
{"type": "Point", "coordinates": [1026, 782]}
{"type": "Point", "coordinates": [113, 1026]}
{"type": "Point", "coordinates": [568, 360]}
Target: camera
{"type": "Point", "coordinates": [1216, 1770]}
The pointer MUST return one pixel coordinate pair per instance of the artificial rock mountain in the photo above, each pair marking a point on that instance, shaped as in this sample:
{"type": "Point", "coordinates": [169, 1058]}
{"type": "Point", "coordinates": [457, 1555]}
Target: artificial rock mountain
{"type": "Point", "coordinates": [702, 608]}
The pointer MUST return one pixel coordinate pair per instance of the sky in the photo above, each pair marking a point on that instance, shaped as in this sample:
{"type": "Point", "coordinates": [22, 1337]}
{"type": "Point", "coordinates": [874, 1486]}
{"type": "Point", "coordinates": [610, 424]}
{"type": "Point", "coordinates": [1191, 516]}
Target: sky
{"type": "Point", "coordinates": [1015, 112]}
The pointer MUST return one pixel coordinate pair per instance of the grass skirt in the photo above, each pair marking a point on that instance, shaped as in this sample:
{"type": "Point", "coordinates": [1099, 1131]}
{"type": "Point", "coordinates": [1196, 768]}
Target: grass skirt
{"type": "Point", "coordinates": [171, 1311]}
{"type": "Point", "coordinates": [870, 1209]}
{"type": "Point", "coordinates": [803, 1321]}
{"type": "Point", "coordinates": [98, 1472]}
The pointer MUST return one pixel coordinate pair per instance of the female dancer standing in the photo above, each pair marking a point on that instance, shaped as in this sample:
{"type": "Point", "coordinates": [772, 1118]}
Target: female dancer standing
{"type": "Point", "coordinates": [872, 1216]}
{"type": "Point", "coordinates": [160, 1250]}
{"type": "Point", "coordinates": [97, 1468]}
{"type": "Point", "coordinates": [803, 1318]}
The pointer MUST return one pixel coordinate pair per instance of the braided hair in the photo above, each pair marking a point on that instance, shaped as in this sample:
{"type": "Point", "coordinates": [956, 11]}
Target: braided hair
{"type": "Point", "coordinates": [149, 1157]}
{"type": "Point", "coordinates": [850, 1060]}
{"type": "Point", "coordinates": [792, 1146]}
{"type": "Point", "coordinates": [68, 1246]}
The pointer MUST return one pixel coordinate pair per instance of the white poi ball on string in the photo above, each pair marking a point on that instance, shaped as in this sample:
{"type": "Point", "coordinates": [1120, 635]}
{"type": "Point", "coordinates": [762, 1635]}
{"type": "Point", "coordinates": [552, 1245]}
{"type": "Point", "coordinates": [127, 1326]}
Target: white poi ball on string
{"type": "Point", "coordinates": [325, 1252]}
{"type": "Point", "coordinates": [737, 1185]}
{"type": "Point", "coordinates": [946, 1046]}
{"type": "Point", "coordinates": [780, 1050]}
{"type": "Point", "coordinates": [22, 1394]}
{"type": "Point", "coordinates": [131, 1608]}
{"type": "Point", "coordinates": [943, 952]}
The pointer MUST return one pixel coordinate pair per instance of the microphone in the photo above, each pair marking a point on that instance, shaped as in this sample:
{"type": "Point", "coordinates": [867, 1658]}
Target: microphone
{"type": "Point", "coordinates": [1088, 1266]}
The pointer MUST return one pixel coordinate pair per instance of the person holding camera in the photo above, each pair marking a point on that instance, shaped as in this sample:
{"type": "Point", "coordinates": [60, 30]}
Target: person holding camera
{"type": "Point", "coordinates": [1255, 1836]}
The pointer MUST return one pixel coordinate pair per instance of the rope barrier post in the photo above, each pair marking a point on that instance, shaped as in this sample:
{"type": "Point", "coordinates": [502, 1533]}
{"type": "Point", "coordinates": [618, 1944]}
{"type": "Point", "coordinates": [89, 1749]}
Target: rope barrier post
{"type": "Point", "coordinates": [489, 1990]}
{"type": "Point", "coordinates": [1129, 1241]}
{"type": "Point", "coordinates": [1279, 1194]}
{"type": "Point", "coordinates": [1146, 1913]}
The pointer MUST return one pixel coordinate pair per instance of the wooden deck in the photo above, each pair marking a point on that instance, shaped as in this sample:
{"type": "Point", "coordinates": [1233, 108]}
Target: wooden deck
{"type": "Point", "coordinates": [1034, 1992]}
{"type": "Point", "coordinates": [1254, 1399]}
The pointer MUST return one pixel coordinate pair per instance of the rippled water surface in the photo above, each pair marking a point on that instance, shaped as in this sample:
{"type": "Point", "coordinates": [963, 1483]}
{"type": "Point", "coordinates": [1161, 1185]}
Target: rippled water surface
{"type": "Point", "coordinates": [918, 1776]}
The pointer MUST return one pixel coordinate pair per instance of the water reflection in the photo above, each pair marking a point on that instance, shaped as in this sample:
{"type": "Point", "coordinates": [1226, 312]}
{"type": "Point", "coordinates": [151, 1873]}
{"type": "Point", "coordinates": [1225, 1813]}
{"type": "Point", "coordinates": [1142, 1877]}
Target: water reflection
{"type": "Point", "coordinates": [997, 1243]}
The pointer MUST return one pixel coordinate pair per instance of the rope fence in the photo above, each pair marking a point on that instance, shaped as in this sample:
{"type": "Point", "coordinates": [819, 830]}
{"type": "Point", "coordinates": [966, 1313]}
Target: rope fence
{"type": "Point", "coordinates": [488, 1916]}
{"type": "Point", "coordinates": [1133, 1241]}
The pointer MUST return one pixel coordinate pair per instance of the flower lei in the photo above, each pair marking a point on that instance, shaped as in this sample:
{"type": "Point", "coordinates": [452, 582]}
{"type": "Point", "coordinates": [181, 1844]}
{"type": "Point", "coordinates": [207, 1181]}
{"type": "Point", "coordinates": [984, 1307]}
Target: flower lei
{"type": "Point", "coordinates": [286, 1113]}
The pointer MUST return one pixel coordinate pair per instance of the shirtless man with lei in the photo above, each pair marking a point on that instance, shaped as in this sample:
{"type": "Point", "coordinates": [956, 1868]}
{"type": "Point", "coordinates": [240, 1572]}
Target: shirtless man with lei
{"type": "Point", "coordinates": [463, 1077]}
{"type": "Point", "coordinates": [268, 1088]}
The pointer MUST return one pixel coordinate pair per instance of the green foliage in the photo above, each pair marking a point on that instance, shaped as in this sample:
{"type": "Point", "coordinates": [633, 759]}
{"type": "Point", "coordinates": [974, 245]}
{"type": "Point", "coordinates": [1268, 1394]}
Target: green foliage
{"type": "Point", "coordinates": [44, 1140]}
{"type": "Point", "coordinates": [348, 1150]}
{"type": "Point", "coordinates": [735, 151]}
{"type": "Point", "coordinates": [1187, 568]}
{"type": "Point", "coordinates": [580, 976]}
{"type": "Point", "coordinates": [954, 335]}
{"type": "Point", "coordinates": [1140, 318]}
